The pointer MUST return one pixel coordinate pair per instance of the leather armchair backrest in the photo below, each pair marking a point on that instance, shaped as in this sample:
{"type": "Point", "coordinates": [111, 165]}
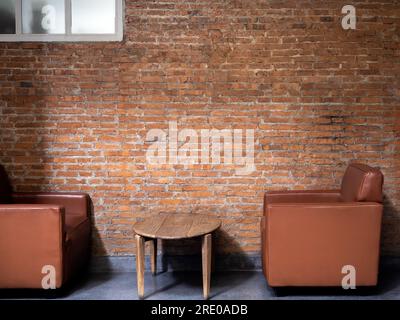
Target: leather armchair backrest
{"type": "Point", "coordinates": [5, 187]}
{"type": "Point", "coordinates": [362, 183]}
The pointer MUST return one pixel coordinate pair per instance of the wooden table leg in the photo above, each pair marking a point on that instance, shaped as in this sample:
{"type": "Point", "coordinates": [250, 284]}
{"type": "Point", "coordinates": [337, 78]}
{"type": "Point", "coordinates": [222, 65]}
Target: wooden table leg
{"type": "Point", "coordinates": [206, 261]}
{"type": "Point", "coordinates": [153, 255]}
{"type": "Point", "coordinates": [140, 265]}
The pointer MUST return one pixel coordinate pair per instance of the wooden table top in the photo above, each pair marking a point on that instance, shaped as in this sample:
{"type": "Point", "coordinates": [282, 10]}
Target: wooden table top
{"type": "Point", "coordinates": [176, 226]}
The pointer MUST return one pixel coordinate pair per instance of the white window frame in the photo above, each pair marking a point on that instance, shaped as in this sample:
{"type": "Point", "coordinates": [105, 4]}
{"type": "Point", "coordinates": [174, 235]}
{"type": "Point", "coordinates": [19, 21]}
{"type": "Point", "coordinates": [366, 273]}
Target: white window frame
{"type": "Point", "coordinates": [68, 36]}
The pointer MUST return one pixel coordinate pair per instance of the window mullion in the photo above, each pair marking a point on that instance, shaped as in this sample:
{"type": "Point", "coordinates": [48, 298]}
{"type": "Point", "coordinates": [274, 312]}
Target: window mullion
{"type": "Point", "coordinates": [117, 13]}
{"type": "Point", "coordinates": [119, 18]}
{"type": "Point", "coordinates": [18, 17]}
{"type": "Point", "coordinates": [68, 17]}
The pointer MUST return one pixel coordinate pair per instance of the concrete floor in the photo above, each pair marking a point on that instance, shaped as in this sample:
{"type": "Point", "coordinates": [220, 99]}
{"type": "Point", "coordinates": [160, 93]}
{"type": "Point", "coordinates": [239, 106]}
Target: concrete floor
{"type": "Point", "coordinates": [246, 285]}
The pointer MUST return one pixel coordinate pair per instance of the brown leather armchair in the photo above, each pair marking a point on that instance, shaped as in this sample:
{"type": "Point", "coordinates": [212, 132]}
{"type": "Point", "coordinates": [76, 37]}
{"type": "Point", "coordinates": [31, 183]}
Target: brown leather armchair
{"type": "Point", "coordinates": [309, 236]}
{"type": "Point", "coordinates": [39, 229]}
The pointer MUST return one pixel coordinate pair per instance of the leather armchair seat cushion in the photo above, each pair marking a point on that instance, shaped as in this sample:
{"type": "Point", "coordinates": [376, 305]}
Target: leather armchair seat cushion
{"type": "Point", "coordinates": [74, 220]}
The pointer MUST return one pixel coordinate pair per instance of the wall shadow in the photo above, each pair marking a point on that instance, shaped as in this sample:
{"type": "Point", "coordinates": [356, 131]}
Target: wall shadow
{"type": "Point", "coordinates": [390, 227]}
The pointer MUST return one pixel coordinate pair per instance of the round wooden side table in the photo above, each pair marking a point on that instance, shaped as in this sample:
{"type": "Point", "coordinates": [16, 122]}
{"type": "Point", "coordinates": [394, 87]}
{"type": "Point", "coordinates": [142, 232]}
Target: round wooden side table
{"type": "Point", "coordinates": [172, 227]}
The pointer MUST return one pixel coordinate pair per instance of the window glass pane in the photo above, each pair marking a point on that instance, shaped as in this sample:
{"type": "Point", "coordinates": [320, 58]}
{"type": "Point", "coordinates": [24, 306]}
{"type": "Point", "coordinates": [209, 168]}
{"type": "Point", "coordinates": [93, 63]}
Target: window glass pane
{"type": "Point", "coordinates": [7, 16]}
{"type": "Point", "coordinates": [93, 16]}
{"type": "Point", "coordinates": [43, 16]}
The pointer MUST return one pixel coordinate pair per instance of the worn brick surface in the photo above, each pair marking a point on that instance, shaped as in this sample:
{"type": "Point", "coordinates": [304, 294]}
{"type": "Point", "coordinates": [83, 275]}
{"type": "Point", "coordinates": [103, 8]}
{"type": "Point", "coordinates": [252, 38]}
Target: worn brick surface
{"type": "Point", "coordinates": [75, 116]}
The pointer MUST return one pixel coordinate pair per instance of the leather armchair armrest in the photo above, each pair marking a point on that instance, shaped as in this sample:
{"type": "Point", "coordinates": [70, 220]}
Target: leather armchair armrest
{"type": "Point", "coordinates": [300, 196]}
{"type": "Point", "coordinates": [331, 206]}
{"type": "Point", "coordinates": [31, 237]}
{"type": "Point", "coordinates": [323, 210]}
{"type": "Point", "coordinates": [74, 203]}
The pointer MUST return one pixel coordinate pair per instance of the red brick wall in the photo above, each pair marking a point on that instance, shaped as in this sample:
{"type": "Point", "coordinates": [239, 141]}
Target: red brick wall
{"type": "Point", "coordinates": [75, 116]}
